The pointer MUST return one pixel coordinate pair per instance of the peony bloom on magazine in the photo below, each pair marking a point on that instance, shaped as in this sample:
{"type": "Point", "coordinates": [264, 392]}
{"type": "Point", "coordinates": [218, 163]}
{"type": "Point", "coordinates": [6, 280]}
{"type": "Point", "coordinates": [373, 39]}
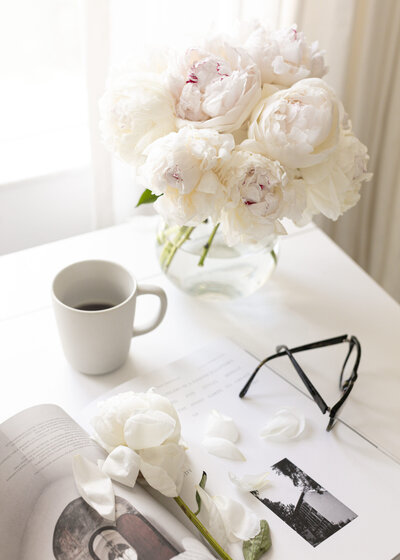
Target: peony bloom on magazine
{"type": "Point", "coordinates": [141, 433]}
{"type": "Point", "coordinates": [241, 132]}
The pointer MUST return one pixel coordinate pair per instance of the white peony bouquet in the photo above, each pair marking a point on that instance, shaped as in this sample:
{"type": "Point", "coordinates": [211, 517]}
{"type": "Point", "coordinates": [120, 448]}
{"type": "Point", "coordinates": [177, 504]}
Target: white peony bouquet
{"type": "Point", "coordinates": [241, 131]}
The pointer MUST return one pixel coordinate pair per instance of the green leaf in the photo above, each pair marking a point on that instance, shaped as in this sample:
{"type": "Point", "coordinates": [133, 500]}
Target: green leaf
{"type": "Point", "coordinates": [254, 548]}
{"type": "Point", "coordinates": [202, 484]}
{"type": "Point", "coordinates": [147, 197]}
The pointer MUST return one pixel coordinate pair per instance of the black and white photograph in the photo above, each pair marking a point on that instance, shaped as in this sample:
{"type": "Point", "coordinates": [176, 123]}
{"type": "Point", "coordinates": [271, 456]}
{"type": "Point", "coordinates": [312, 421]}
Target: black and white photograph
{"type": "Point", "coordinates": [304, 504]}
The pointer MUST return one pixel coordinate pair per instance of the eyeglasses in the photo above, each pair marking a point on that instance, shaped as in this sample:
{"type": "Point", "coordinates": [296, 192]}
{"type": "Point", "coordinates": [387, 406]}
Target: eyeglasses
{"type": "Point", "coordinates": [347, 378]}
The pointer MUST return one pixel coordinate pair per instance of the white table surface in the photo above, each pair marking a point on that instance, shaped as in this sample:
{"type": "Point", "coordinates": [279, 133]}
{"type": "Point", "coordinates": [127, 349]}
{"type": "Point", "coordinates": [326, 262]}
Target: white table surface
{"type": "Point", "coordinates": [316, 292]}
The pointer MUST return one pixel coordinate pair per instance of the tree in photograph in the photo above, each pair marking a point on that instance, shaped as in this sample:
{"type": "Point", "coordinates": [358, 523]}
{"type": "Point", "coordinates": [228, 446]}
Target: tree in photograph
{"type": "Point", "coordinates": [299, 479]}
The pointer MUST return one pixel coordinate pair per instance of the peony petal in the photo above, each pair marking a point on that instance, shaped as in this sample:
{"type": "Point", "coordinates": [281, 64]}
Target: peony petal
{"type": "Point", "coordinates": [111, 416]}
{"type": "Point", "coordinates": [122, 465]}
{"type": "Point", "coordinates": [286, 424]}
{"type": "Point", "coordinates": [219, 425]}
{"type": "Point", "coordinates": [240, 522]}
{"type": "Point", "coordinates": [108, 431]}
{"type": "Point", "coordinates": [224, 448]}
{"type": "Point", "coordinates": [95, 437]}
{"type": "Point", "coordinates": [163, 467]}
{"type": "Point", "coordinates": [94, 486]}
{"type": "Point", "coordinates": [194, 550]}
{"type": "Point", "coordinates": [159, 402]}
{"type": "Point", "coordinates": [148, 429]}
{"type": "Point", "coordinates": [211, 517]}
{"type": "Point", "coordinates": [250, 482]}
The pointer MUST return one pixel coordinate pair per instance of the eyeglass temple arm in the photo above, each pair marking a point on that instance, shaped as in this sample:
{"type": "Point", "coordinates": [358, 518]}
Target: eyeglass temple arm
{"type": "Point", "coordinates": [310, 387]}
{"type": "Point", "coordinates": [311, 346]}
{"type": "Point", "coordinates": [320, 343]}
{"type": "Point", "coordinates": [260, 365]}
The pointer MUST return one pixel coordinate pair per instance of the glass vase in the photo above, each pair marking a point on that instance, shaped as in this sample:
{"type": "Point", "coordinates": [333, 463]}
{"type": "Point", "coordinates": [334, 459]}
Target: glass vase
{"type": "Point", "coordinates": [199, 262]}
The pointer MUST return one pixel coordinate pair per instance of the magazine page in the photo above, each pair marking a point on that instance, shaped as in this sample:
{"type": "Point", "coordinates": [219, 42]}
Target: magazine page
{"type": "Point", "coordinates": [42, 516]}
{"type": "Point", "coordinates": [329, 493]}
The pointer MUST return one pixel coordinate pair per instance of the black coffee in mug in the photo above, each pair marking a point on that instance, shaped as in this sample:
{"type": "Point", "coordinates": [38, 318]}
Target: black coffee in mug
{"type": "Point", "coordinates": [95, 306]}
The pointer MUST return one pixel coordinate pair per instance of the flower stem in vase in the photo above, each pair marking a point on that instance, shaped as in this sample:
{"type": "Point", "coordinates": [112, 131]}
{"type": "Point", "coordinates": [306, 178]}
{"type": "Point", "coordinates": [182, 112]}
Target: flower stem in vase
{"type": "Point", "coordinates": [274, 256]}
{"type": "Point", "coordinates": [207, 246]}
{"type": "Point", "coordinates": [194, 519]}
{"type": "Point", "coordinates": [171, 247]}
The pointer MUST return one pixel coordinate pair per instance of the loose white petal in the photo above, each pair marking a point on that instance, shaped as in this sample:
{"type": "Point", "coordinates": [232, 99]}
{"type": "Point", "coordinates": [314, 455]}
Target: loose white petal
{"type": "Point", "coordinates": [163, 467]}
{"type": "Point", "coordinates": [94, 486]}
{"type": "Point", "coordinates": [219, 425]}
{"type": "Point", "coordinates": [286, 424]}
{"type": "Point", "coordinates": [240, 523]}
{"type": "Point", "coordinates": [250, 482]}
{"type": "Point", "coordinates": [122, 465]}
{"type": "Point", "coordinates": [194, 550]}
{"type": "Point", "coordinates": [211, 517]}
{"type": "Point", "coordinates": [148, 429]}
{"type": "Point", "coordinates": [223, 448]}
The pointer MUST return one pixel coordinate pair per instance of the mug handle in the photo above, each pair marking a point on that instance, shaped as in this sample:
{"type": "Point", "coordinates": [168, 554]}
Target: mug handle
{"type": "Point", "coordinates": [145, 289]}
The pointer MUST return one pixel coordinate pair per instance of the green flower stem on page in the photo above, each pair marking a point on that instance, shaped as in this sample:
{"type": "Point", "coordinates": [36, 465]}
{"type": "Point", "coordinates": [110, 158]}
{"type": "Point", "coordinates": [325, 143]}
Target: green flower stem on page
{"type": "Point", "coordinates": [189, 513]}
{"type": "Point", "coordinates": [207, 246]}
{"type": "Point", "coordinates": [171, 247]}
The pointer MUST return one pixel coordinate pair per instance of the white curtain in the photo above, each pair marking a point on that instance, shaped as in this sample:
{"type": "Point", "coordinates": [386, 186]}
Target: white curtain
{"type": "Point", "coordinates": [362, 42]}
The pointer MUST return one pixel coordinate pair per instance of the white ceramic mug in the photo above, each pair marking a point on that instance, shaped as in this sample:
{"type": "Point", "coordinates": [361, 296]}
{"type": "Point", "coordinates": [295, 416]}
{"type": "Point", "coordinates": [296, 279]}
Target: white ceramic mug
{"type": "Point", "coordinates": [94, 303]}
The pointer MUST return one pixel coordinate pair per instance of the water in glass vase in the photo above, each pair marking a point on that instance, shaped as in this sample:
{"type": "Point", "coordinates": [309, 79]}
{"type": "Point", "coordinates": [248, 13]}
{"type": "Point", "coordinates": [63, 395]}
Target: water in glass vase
{"type": "Point", "coordinates": [227, 272]}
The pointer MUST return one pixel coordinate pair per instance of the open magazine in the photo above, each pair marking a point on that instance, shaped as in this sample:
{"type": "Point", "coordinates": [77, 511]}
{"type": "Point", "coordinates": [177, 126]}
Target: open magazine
{"type": "Point", "coordinates": [330, 495]}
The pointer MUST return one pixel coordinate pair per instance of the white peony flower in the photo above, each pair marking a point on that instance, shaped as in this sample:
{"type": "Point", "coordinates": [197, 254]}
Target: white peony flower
{"type": "Point", "coordinates": [141, 430]}
{"type": "Point", "coordinates": [258, 197]}
{"type": "Point", "coordinates": [113, 414]}
{"type": "Point", "coordinates": [135, 110]}
{"type": "Point", "coordinates": [334, 185]}
{"type": "Point", "coordinates": [181, 166]}
{"type": "Point", "coordinates": [283, 56]}
{"type": "Point", "coordinates": [214, 87]}
{"type": "Point", "coordinates": [298, 126]}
